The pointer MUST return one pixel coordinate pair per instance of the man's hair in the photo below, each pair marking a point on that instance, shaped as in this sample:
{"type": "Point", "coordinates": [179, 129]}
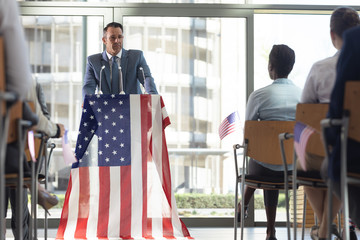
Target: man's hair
{"type": "Point", "coordinates": [282, 59]}
{"type": "Point", "coordinates": [342, 19]}
{"type": "Point", "coordinates": [114, 25]}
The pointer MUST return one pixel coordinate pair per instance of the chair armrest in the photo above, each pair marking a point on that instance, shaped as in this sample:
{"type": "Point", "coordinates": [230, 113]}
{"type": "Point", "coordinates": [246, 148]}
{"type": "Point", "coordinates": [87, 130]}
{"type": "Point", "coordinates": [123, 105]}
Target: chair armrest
{"type": "Point", "coordinates": [236, 147]}
{"type": "Point", "coordinates": [285, 136]}
{"type": "Point", "coordinates": [282, 138]}
{"type": "Point", "coordinates": [330, 122]}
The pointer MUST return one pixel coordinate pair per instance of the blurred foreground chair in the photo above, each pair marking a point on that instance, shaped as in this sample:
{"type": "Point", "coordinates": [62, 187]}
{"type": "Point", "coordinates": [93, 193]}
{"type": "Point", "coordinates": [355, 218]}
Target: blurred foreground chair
{"type": "Point", "coordinates": [14, 162]}
{"type": "Point", "coordinates": [311, 115]}
{"type": "Point", "coordinates": [5, 99]}
{"type": "Point", "coordinates": [13, 129]}
{"type": "Point", "coordinates": [350, 128]}
{"type": "Point", "coordinates": [260, 143]}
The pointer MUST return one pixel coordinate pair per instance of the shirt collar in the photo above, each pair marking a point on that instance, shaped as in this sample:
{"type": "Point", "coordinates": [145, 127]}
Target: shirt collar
{"type": "Point", "coordinates": [110, 56]}
{"type": "Point", "coordinates": [282, 81]}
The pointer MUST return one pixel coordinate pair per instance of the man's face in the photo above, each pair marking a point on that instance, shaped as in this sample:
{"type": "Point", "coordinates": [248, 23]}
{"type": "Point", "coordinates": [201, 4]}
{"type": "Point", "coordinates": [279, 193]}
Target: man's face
{"type": "Point", "coordinates": [113, 40]}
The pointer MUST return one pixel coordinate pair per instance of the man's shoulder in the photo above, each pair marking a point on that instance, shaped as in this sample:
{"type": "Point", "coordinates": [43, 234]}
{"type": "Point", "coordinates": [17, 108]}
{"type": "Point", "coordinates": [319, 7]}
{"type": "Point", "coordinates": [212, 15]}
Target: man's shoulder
{"type": "Point", "coordinates": [134, 52]}
{"type": "Point", "coordinates": [329, 62]}
{"type": "Point", "coordinates": [95, 56]}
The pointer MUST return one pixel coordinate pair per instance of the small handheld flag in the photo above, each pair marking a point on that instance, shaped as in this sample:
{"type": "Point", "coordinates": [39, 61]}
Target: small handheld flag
{"type": "Point", "coordinates": [229, 125]}
{"type": "Point", "coordinates": [302, 134]}
{"type": "Point", "coordinates": [31, 143]}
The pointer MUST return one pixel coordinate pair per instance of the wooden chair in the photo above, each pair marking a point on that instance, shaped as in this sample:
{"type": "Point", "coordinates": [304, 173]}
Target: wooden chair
{"type": "Point", "coordinates": [12, 129]}
{"type": "Point", "coordinates": [5, 98]}
{"type": "Point", "coordinates": [260, 143]}
{"type": "Point", "coordinates": [311, 115]}
{"type": "Point", "coordinates": [350, 128]}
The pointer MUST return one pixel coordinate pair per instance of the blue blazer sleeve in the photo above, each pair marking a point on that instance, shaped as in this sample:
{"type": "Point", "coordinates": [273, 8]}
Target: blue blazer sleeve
{"type": "Point", "coordinates": [90, 80]}
{"type": "Point", "coordinates": [149, 83]}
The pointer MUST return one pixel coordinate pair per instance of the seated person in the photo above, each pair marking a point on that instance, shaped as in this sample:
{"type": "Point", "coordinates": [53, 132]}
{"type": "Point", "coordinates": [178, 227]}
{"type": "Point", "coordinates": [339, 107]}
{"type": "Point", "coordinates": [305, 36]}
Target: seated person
{"type": "Point", "coordinates": [45, 199]}
{"type": "Point", "coordinates": [317, 89]}
{"type": "Point", "coordinates": [347, 70]}
{"type": "Point", "coordinates": [276, 102]}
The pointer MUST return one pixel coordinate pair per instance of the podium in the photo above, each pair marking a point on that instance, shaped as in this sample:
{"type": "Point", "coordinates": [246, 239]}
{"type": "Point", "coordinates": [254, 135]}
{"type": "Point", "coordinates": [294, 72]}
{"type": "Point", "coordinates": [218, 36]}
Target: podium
{"type": "Point", "coordinates": [120, 188]}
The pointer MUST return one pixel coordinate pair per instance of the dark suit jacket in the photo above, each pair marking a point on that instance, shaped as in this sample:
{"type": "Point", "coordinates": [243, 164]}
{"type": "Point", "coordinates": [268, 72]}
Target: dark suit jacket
{"type": "Point", "coordinates": [131, 61]}
{"type": "Point", "coordinates": [348, 69]}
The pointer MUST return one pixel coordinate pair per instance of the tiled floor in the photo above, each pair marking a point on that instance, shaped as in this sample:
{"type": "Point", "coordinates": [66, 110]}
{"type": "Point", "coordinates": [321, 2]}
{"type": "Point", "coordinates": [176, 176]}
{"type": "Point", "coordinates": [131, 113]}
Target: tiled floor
{"type": "Point", "coordinates": [257, 233]}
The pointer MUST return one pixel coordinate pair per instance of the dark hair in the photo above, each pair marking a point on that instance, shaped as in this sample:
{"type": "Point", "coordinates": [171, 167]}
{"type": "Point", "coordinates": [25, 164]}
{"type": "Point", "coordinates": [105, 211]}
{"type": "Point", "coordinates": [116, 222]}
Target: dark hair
{"type": "Point", "coordinates": [282, 59]}
{"type": "Point", "coordinates": [114, 25]}
{"type": "Point", "coordinates": [342, 19]}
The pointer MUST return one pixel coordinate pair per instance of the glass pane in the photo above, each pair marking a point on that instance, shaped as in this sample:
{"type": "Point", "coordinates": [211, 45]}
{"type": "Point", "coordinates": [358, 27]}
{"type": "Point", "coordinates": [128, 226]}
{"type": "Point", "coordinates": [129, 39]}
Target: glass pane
{"type": "Point", "coordinates": [307, 35]}
{"type": "Point", "coordinates": [199, 67]}
{"type": "Point", "coordinates": [152, 1]}
{"type": "Point", "coordinates": [308, 2]}
{"type": "Point", "coordinates": [57, 48]}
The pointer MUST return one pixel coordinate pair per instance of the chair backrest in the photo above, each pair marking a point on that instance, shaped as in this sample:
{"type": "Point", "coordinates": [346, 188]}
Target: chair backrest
{"type": "Point", "coordinates": [351, 103]}
{"type": "Point", "coordinates": [2, 71]}
{"type": "Point", "coordinates": [15, 110]}
{"type": "Point", "coordinates": [262, 138]}
{"type": "Point", "coordinates": [311, 114]}
{"type": "Point", "coordinates": [15, 114]}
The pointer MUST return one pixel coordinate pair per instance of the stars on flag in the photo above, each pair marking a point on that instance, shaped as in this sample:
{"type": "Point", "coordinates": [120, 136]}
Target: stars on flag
{"type": "Point", "coordinates": [107, 121]}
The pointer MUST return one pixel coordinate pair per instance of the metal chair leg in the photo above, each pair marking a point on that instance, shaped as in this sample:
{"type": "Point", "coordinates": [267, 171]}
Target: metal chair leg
{"type": "Point", "coordinates": [4, 123]}
{"type": "Point", "coordinates": [46, 167]}
{"type": "Point", "coordinates": [304, 219]}
{"type": "Point", "coordinates": [330, 203]}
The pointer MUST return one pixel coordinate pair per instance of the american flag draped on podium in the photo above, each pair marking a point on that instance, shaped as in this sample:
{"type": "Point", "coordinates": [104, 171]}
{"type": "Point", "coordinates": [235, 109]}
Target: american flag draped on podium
{"type": "Point", "coordinates": [120, 188]}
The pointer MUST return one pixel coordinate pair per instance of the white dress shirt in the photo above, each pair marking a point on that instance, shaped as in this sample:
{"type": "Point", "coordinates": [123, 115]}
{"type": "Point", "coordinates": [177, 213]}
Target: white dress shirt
{"type": "Point", "coordinates": [320, 81]}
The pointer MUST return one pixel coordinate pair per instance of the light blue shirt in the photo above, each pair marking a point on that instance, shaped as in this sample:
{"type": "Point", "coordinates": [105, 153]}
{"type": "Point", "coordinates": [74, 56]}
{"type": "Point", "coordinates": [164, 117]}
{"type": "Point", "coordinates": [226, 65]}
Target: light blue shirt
{"type": "Point", "coordinates": [275, 102]}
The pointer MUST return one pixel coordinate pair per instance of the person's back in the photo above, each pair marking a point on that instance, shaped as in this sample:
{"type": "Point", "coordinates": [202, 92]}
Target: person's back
{"type": "Point", "coordinates": [274, 102]}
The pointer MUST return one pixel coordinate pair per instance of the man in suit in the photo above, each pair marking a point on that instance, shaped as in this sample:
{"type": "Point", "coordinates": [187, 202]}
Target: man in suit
{"type": "Point", "coordinates": [127, 77]}
{"type": "Point", "coordinates": [347, 70]}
